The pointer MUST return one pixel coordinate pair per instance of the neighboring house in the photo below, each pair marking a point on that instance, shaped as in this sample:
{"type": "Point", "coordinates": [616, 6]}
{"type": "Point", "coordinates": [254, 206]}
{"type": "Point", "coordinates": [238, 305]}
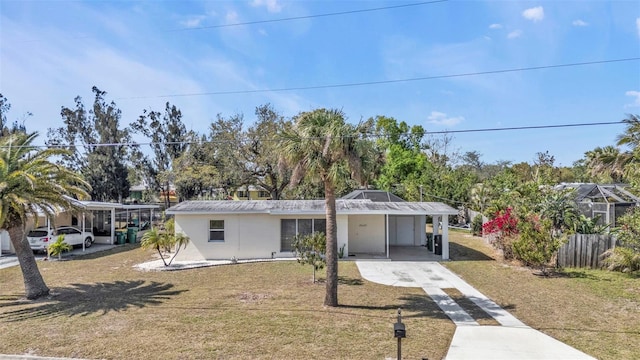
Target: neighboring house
{"type": "Point", "coordinates": [265, 229]}
{"type": "Point", "coordinates": [101, 218]}
{"type": "Point", "coordinates": [606, 201]}
{"type": "Point", "coordinates": [137, 194]}
{"type": "Point", "coordinates": [251, 192]}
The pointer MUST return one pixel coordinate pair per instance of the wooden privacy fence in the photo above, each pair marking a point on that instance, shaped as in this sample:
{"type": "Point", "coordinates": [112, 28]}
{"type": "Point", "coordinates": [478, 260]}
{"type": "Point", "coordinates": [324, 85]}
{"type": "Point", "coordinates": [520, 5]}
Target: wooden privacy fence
{"type": "Point", "coordinates": [584, 251]}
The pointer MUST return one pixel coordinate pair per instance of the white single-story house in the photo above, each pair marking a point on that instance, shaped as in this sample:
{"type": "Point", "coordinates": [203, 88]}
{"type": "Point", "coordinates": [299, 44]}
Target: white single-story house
{"type": "Point", "coordinates": [265, 228]}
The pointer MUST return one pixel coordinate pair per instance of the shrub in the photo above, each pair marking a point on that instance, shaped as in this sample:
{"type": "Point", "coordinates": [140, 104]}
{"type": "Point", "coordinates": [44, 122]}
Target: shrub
{"type": "Point", "coordinates": [622, 259]}
{"type": "Point", "coordinates": [501, 229]}
{"type": "Point", "coordinates": [536, 243]}
{"type": "Point", "coordinates": [626, 256]}
{"type": "Point", "coordinates": [476, 225]}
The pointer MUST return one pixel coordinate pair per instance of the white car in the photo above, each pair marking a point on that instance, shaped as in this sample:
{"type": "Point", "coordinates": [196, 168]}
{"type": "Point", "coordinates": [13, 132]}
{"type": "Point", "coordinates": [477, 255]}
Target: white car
{"type": "Point", "coordinates": [39, 238]}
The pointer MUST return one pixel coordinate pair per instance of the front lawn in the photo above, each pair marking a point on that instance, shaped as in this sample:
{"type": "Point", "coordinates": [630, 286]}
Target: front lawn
{"type": "Point", "coordinates": [595, 311]}
{"type": "Point", "coordinates": [102, 308]}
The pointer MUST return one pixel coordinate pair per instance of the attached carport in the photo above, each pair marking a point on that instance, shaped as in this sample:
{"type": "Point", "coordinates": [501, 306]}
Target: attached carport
{"type": "Point", "coordinates": [373, 227]}
{"type": "Point", "coordinates": [384, 220]}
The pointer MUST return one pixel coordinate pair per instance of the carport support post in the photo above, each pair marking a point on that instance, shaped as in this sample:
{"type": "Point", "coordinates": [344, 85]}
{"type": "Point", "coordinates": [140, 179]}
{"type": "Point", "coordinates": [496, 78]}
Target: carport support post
{"type": "Point", "coordinates": [445, 237]}
{"type": "Point", "coordinates": [386, 218]}
{"type": "Point", "coordinates": [436, 230]}
{"type": "Point", "coordinates": [113, 224]}
{"type": "Point", "coordinates": [82, 231]}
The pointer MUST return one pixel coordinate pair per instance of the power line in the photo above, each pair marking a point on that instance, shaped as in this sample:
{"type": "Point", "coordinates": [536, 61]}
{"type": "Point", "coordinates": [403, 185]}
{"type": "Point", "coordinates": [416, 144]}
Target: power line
{"type": "Point", "coordinates": [524, 127]}
{"type": "Point", "coordinates": [309, 16]}
{"type": "Point", "coordinates": [552, 126]}
{"type": "Point", "coordinates": [381, 82]}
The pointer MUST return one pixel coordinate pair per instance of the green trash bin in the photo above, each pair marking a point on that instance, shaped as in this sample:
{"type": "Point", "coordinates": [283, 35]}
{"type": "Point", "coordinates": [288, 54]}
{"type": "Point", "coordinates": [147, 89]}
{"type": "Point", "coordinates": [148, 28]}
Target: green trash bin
{"type": "Point", "coordinates": [132, 234]}
{"type": "Point", "coordinates": [120, 237]}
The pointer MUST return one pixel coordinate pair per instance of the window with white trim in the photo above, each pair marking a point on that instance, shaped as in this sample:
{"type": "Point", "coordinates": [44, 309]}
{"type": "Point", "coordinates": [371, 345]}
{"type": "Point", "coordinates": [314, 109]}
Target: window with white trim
{"type": "Point", "coordinates": [216, 230]}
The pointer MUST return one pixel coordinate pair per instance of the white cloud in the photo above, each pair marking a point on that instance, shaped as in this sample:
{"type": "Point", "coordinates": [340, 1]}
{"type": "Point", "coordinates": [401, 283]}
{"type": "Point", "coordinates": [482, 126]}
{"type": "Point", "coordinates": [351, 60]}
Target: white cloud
{"type": "Point", "coordinates": [579, 22]}
{"type": "Point", "coordinates": [514, 34]}
{"type": "Point", "coordinates": [439, 118]}
{"type": "Point", "coordinates": [534, 14]}
{"type": "Point", "coordinates": [638, 25]}
{"type": "Point", "coordinates": [635, 94]}
{"type": "Point", "coordinates": [272, 5]}
{"type": "Point", "coordinates": [193, 22]}
{"type": "Point", "coordinates": [495, 26]}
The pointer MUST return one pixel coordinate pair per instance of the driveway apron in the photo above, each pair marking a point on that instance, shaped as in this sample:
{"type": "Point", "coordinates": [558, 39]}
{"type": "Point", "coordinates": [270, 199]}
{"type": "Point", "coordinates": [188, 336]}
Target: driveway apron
{"type": "Point", "coordinates": [511, 340]}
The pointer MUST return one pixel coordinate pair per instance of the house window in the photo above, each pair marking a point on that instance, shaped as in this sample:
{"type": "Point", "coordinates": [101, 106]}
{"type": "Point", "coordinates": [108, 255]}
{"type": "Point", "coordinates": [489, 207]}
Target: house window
{"type": "Point", "coordinates": [289, 228]}
{"type": "Point", "coordinates": [242, 194]}
{"type": "Point", "coordinates": [263, 194]}
{"type": "Point", "coordinates": [216, 230]}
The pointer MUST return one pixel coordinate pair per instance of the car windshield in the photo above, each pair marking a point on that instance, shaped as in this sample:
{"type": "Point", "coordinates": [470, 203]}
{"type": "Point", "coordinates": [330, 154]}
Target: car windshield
{"type": "Point", "coordinates": [37, 233]}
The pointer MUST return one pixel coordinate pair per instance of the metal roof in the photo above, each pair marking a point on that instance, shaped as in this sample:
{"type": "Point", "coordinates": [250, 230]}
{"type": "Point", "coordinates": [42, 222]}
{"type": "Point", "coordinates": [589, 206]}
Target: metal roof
{"type": "Point", "coordinates": [604, 193]}
{"type": "Point", "coordinates": [294, 207]}
{"type": "Point", "coordinates": [373, 195]}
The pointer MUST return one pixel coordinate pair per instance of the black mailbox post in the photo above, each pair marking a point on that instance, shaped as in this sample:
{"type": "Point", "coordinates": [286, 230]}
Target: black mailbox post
{"type": "Point", "coordinates": [399, 332]}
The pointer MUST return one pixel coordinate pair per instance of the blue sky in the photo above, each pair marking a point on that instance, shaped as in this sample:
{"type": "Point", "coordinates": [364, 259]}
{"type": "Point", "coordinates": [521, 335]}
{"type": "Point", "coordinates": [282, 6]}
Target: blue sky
{"type": "Point", "coordinates": [52, 51]}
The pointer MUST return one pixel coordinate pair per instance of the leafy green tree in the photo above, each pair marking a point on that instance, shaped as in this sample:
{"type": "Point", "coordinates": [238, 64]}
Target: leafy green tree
{"type": "Point", "coordinates": [195, 173]}
{"type": "Point", "coordinates": [168, 141]}
{"type": "Point", "coordinates": [263, 164]}
{"type": "Point", "coordinates": [310, 250]}
{"type": "Point", "coordinates": [31, 185]}
{"type": "Point", "coordinates": [320, 144]}
{"type": "Point", "coordinates": [17, 126]}
{"type": "Point", "coordinates": [97, 146]}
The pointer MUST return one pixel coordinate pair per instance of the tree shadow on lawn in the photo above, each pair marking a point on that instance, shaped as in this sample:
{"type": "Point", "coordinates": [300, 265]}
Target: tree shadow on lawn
{"type": "Point", "coordinates": [102, 253]}
{"type": "Point", "coordinates": [343, 280]}
{"type": "Point", "coordinates": [458, 252]}
{"type": "Point", "coordinates": [412, 306]}
{"type": "Point", "coordinates": [87, 299]}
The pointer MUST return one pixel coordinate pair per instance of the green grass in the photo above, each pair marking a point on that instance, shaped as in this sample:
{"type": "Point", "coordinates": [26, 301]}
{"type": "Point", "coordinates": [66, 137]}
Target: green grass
{"type": "Point", "coordinates": [102, 308]}
{"type": "Point", "coordinates": [595, 311]}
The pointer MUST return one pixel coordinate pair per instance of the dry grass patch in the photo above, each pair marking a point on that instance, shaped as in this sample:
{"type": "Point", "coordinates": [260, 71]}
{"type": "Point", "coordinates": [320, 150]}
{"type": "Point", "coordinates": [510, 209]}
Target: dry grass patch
{"type": "Point", "coordinates": [595, 311]}
{"type": "Point", "coordinates": [101, 307]}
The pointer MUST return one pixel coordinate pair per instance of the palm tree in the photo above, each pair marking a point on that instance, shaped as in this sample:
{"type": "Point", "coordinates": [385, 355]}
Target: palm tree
{"type": "Point", "coordinates": [31, 185]}
{"type": "Point", "coordinates": [607, 161]}
{"type": "Point", "coordinates": [631, 138]}
{"type": "Point", "coordinates": [322, 146]}
{"type": "Point", "coordinates": [561, 209]}
{"type": "Point", "coordinates": [165, 239]}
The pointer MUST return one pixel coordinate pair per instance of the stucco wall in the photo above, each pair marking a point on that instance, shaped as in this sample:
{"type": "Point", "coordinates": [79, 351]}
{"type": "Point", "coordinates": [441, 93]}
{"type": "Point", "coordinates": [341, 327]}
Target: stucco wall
{"type": "Point", "coordinates": [367, 233]}
{"type": "Point", "coordinates": [247, 236]}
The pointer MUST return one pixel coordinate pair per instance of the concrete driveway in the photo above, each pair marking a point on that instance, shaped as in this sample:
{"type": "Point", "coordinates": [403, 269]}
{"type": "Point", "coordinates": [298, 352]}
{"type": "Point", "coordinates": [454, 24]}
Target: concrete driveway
{"type": "Point", "coordinates": [511, 340]}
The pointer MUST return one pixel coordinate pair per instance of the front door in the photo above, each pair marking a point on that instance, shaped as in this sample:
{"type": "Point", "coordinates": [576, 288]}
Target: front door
{"type": "Point", "coordinates": [404, 230]}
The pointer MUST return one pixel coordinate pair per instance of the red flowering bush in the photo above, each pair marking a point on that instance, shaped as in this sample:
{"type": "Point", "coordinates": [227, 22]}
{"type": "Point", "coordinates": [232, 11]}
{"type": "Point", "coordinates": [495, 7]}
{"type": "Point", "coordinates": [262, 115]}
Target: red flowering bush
{"type": "Point", "coordinates": [503, 222]}
{"type": "Point", "coordinates": [501, 230]}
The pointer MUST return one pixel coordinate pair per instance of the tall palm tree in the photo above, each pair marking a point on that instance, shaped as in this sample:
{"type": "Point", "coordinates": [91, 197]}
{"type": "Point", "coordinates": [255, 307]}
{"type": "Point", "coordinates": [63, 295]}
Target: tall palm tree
{"type": "Point", "coordinates": [608, 162]}
{"type": "Point", "coordinates": [631, 138]}
{"type": "Point", "coordinates": [324, 147]}
{"type": "Point", "coordinates": [31, 185]}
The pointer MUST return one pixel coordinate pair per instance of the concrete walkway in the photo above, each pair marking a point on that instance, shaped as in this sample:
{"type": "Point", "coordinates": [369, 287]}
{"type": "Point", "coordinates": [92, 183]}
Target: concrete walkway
{"type": "Point", "coordinates": [512, 340]}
